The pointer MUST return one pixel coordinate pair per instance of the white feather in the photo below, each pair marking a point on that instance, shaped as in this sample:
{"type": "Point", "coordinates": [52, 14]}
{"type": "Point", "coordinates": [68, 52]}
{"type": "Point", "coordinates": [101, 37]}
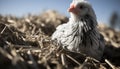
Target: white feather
{"type": "Point", "coordinates": [71, 35]}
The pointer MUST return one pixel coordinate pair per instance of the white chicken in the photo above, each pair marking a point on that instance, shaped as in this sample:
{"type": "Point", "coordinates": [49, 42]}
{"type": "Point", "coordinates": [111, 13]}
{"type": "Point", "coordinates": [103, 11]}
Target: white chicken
{"type": "Point", "coordinates": [80, 33]}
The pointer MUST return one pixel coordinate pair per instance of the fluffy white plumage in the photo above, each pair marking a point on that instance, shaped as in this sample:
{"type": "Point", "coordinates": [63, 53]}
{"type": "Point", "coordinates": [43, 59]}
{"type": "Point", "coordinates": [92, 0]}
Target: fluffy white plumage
{"type": "Point", "coordinates": [80, 34]}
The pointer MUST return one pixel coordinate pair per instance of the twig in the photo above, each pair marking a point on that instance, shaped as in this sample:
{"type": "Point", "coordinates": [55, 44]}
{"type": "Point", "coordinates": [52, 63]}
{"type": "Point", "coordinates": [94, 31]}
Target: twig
{"type": "Point", "coordinates": [90, 58]}
{"type": "Point", "coordinates": [13, 52]}
{"type": "Point", "coordinates": [41, 43]}
{"type": "Point", "coordinates": [3, 52]}
{"type": "Point", "coordinates": [3, 30]}
{"type": "Point", "coordinates": [73, 59]}
{"type": "Point", "coordinates": [110, 64]}
{"type": "Point", "coordinates": [24, 46]}
{"type": "Point", "coordinates": [58, 53]}
{"type": "Point", "coordinates": [63, 59]}
{"type": "Point", "coordinates": [47, 55]}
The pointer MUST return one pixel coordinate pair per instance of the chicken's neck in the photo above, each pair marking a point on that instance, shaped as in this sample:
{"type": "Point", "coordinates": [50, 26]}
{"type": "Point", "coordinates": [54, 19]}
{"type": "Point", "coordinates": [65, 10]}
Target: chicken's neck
{"type": "Point", "coordinates": [86, 30]}
{"type": "Point", "coordinates": [74, 17]}
{"type": "Point", "coordinates": [86, 22]}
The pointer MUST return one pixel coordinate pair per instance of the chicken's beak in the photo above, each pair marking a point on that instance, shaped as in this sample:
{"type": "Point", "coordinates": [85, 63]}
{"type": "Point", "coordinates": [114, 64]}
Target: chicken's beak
{"type": "Point", "coordinates": [73, 9]}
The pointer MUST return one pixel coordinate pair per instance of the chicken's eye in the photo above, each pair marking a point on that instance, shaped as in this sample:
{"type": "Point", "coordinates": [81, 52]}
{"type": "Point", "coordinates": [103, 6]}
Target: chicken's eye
{"type": "Point", "coordinates": [81, 7]}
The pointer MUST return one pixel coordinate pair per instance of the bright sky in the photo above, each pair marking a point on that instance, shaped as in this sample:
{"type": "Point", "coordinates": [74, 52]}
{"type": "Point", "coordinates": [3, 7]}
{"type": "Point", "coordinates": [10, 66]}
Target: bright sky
{"type": "Point", "coordinates": [103, 8]}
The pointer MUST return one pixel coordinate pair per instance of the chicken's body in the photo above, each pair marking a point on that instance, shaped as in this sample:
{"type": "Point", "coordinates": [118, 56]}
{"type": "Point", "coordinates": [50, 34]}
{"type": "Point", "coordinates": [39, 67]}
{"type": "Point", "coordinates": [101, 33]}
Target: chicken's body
{"type": "Point", "coordinates": [80, 35]}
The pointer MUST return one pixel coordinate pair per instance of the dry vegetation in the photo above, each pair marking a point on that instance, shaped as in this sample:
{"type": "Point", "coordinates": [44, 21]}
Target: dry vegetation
{"type": "Point", "coordinates": [25, 44]}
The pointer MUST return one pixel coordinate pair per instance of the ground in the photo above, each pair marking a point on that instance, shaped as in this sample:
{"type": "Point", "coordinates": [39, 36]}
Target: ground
{"type": "Point", "coordinates": [25, 43]}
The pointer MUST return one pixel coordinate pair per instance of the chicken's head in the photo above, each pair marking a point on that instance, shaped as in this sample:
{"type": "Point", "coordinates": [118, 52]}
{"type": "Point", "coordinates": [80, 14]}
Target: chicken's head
{"type": "Point", "coordinates": [81, 8]}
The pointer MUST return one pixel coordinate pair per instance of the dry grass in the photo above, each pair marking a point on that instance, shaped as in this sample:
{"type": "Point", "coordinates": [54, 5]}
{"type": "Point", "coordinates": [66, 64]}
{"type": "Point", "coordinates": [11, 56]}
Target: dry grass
{"type": "Point", "coordinates": [25, 44]}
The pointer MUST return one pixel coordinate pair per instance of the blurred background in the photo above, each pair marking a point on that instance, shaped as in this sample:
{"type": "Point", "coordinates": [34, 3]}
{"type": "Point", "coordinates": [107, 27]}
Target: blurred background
{"type": "Point", "coordinates": [26, 27]}
{"type": "Point", "coordinates": [107, 11]}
